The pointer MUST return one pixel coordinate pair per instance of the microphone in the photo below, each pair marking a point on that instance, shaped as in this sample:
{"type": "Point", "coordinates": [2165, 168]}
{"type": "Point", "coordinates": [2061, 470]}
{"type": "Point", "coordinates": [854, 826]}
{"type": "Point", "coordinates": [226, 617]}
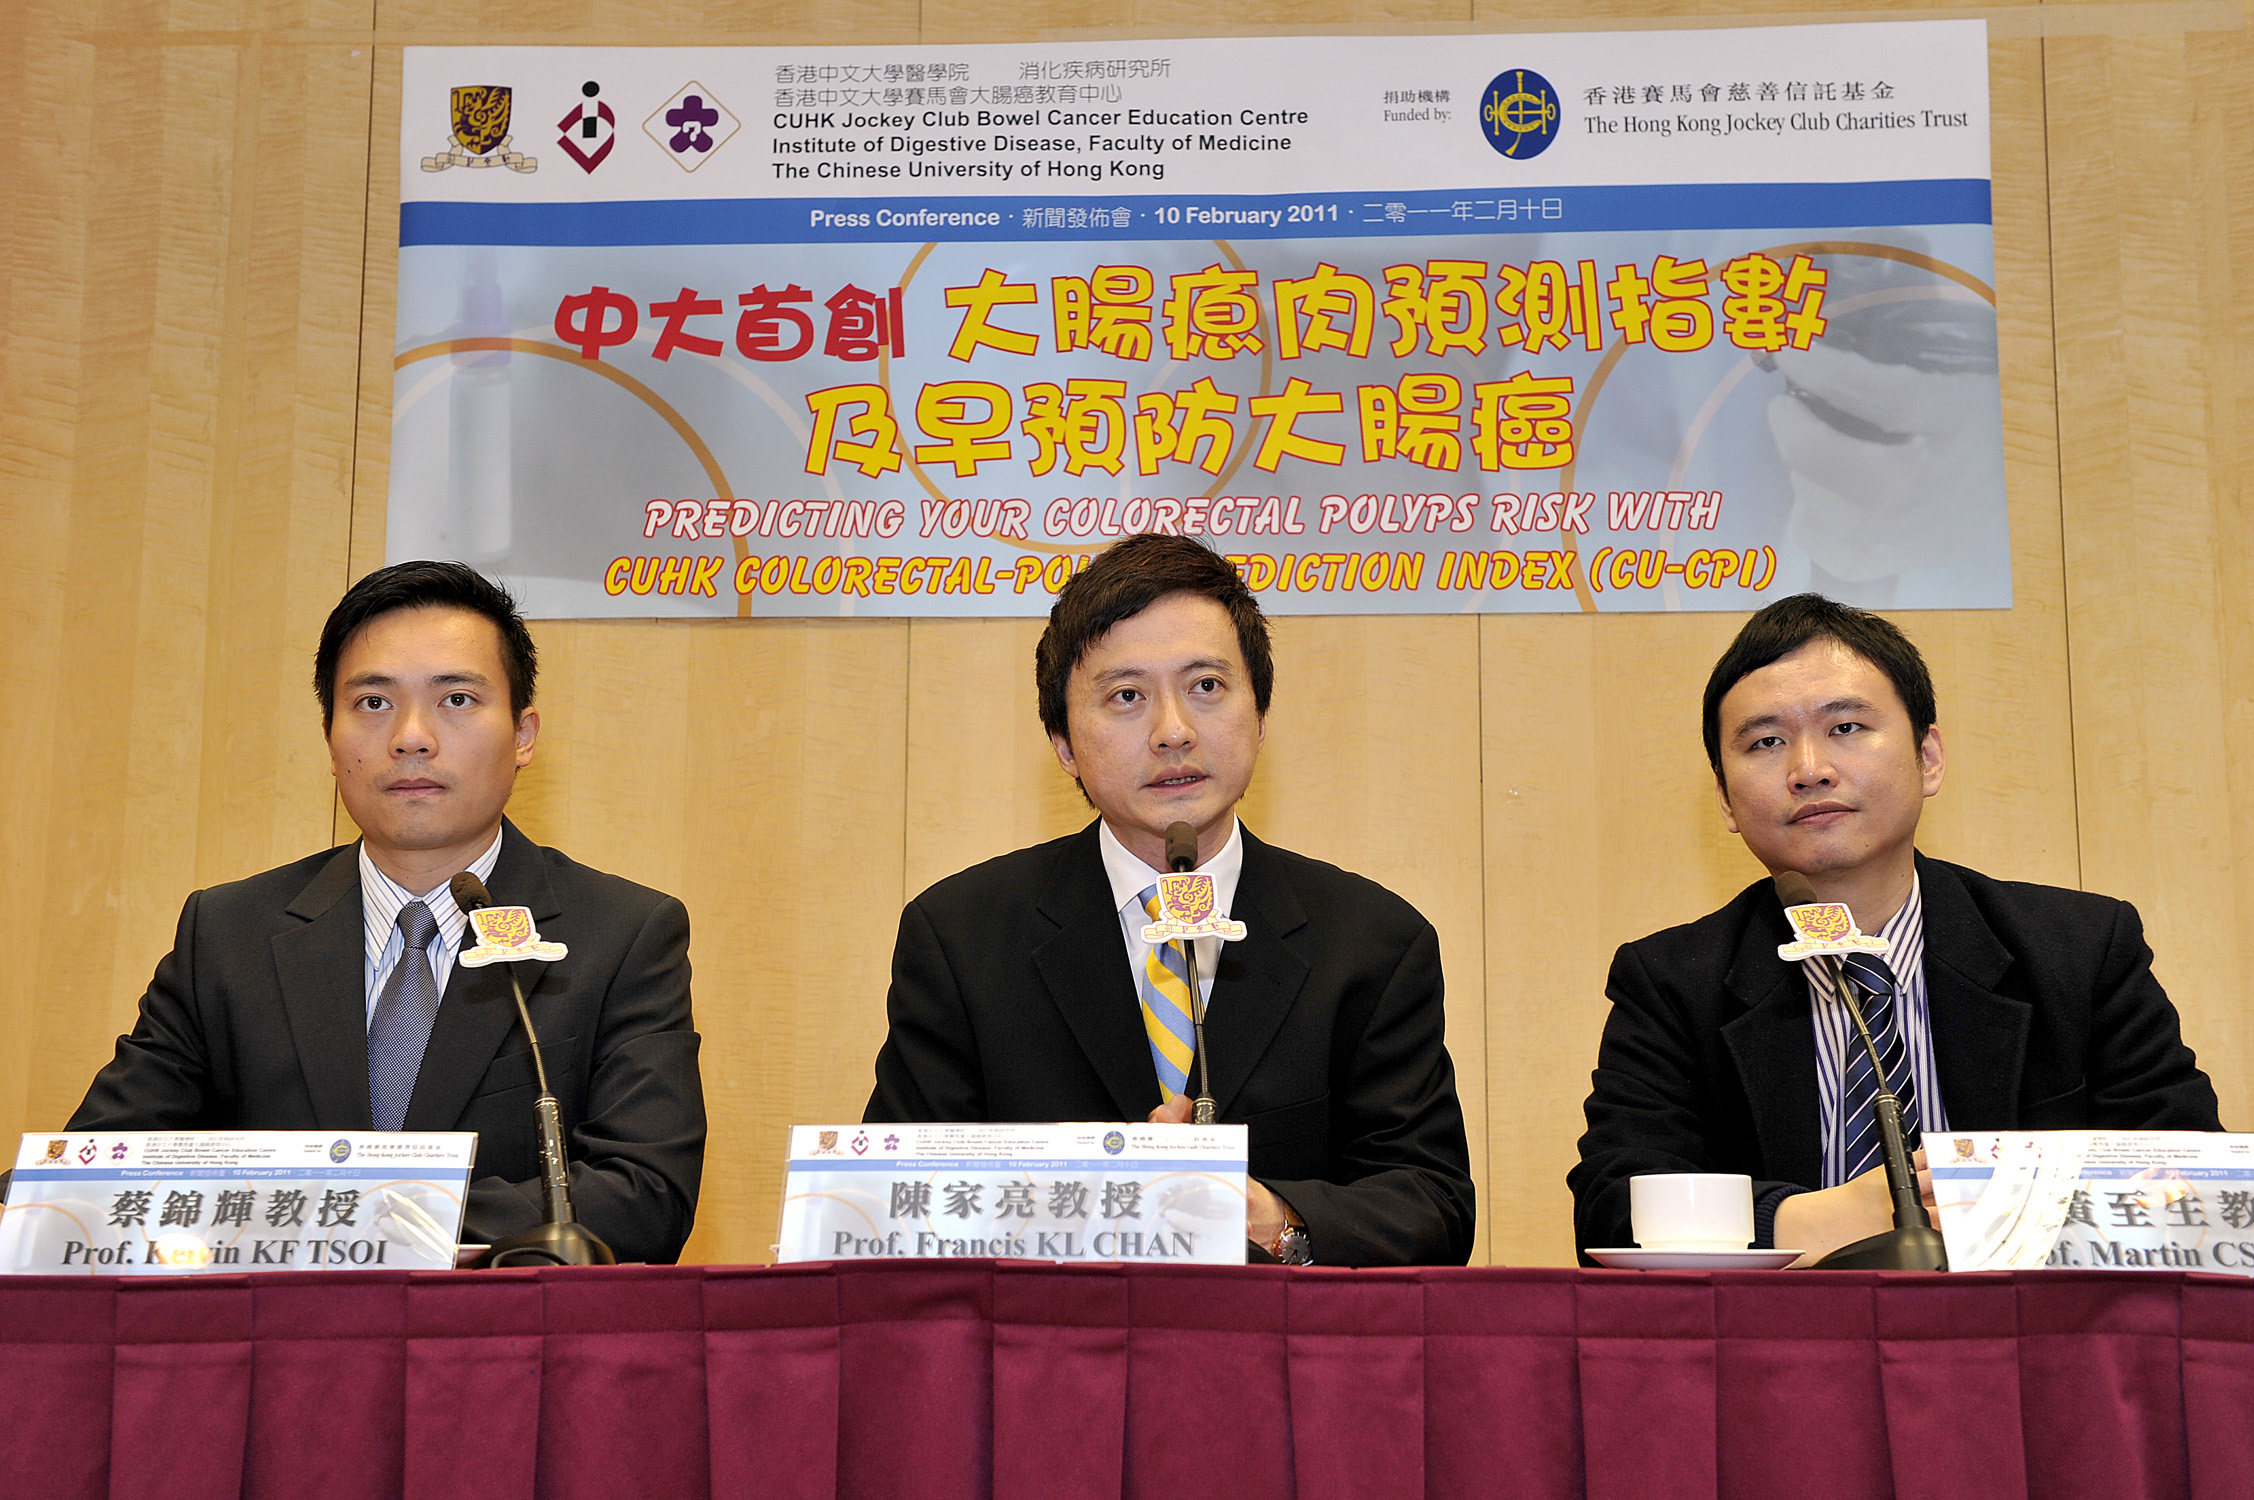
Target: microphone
{"type": "Point", "coordinates": [1181, 856]}
{"type": "Point", "coordinates": [561, 1240]}
{"type": "Point", "coordinates": [1912, 1244]}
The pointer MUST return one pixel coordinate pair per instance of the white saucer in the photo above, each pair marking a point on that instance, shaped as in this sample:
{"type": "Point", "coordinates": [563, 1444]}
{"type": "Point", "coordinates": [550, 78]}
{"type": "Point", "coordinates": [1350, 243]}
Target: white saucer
{"type": "Point", "coordinates": [1695, 1260]}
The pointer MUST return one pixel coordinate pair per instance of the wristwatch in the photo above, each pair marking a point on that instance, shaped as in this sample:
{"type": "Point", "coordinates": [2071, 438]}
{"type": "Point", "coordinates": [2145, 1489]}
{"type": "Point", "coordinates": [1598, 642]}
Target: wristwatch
{"type": "Point", "coordinates": [1292, 1247]}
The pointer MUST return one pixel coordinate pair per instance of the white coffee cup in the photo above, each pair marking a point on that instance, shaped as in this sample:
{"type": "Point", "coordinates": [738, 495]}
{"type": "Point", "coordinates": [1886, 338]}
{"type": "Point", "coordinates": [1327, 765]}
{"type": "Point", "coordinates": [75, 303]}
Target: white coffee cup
{"type": "Point", "coordinates": [1691, 1211]}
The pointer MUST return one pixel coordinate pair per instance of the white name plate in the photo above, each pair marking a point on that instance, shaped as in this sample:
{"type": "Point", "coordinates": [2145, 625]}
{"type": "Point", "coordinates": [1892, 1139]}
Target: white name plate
{"type": "Point", "coordinates": [1168, 1194]}
{"type": "Point", "coordinates": [132, 1203]}
{"type": "Point", "coordinates": [2150, 1200]}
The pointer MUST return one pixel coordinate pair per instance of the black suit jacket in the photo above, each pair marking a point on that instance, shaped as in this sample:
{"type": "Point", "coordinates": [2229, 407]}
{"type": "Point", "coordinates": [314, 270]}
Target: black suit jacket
{"type": "Point", "coordinates": [1012, 1000]}
{"type": "Point", "coordinates": [257, 1020]}
{"type": "Point", "coordinates": [2044, 1011]}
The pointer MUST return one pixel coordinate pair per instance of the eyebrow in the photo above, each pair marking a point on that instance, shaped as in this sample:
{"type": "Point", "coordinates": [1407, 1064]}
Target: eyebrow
{"type": "Point", "coordinates": [385, 679]}
{"type": "Point", "coordinates": [1835, 706]}
{"type": "Point", "coordinates": [1121, 674]}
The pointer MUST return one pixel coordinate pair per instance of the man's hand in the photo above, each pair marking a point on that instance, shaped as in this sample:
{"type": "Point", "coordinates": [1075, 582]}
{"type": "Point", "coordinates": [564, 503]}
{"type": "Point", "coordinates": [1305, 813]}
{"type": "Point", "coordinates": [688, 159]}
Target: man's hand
{"type": "Point", "coordinates": [1264, 1213]}
{"type": "Point", "coordinates": [1820, 1222]}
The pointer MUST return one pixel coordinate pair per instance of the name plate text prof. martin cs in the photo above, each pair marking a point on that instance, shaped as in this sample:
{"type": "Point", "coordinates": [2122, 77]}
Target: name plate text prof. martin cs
{"type": "Point", "coordinates": [1171, 1194]}
{"type": "Point", "coordinates": [128, 1203]}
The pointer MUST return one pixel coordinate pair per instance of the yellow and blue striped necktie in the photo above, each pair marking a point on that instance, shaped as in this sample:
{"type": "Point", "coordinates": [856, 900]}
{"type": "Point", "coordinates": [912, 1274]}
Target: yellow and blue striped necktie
{"type": "Point", "coordinates": [1166, 1007]}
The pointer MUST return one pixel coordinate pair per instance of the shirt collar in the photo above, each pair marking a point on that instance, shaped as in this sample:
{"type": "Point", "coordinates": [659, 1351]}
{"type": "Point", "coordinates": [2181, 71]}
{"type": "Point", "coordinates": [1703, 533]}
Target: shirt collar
{"type": "Point", "coordinates": [381, 897]}
{"type": "Point", "coordinates": [1130, 877]}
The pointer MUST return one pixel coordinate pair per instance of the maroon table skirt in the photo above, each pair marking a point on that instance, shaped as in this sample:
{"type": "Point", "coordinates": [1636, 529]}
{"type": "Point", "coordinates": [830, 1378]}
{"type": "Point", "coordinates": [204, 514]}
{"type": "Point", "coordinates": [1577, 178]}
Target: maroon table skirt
{"type": "Point", "coordinates": [966, 1379]}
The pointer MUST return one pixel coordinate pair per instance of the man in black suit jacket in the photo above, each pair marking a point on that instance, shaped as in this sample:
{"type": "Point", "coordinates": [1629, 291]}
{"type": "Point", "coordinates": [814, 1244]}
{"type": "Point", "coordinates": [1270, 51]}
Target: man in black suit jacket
{"type": "Point", "coordinates": [1014, 990]}
{"type": "Point", "coordinates": [260, 1018]}
{"type": "Point", "coordinates": [2040, 1010]}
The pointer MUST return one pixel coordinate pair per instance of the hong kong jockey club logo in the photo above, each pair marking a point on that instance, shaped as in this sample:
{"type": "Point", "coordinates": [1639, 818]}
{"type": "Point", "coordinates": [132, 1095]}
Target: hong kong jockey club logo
{"type": "Point", "coordinates": [691, 125]}
{"type": "Point", "coordinates": [481, 132]}
{"type": "Point", "coordinates": [1519, 114]}
{"type": "Point", "coordinates": [340, 1151]}
{"type": "Point", "coordinates": [590, 130]}
{"type": "Point", "coordinates": [1114, 1143]}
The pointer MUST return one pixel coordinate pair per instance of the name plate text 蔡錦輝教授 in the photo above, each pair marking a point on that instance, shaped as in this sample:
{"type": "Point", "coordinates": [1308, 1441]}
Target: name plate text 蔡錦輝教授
{"type": "Point", "coordinates": [1165, 1194]}
{"type": "Point", "coordinates": [126, 1203]}
{"type": "Point", "coordinates": [2147, 1200]}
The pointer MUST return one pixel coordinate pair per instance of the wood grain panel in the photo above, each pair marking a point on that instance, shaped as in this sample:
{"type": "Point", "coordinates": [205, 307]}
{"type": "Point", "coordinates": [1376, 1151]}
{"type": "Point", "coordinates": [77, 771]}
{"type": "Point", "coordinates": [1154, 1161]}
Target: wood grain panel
{"type": "Point", "coordinates": [2152, 235]}
{"type": "Point", "coordinates": [182, 424]}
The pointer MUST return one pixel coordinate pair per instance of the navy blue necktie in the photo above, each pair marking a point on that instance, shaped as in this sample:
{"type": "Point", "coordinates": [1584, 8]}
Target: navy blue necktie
{"type": "Point", "coordinates": [400, 1028]}
{"type": "Point", "coordinates": [1883, 1015]}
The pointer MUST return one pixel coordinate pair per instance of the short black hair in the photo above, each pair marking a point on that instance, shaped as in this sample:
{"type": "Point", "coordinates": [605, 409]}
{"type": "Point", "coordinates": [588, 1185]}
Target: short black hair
{"type": "Point", "coordinates": [1787, 625]}
{"type": "Point", "coordinates": [426, 585]}
{"type": "Point", "coordinates": [1126, 579]}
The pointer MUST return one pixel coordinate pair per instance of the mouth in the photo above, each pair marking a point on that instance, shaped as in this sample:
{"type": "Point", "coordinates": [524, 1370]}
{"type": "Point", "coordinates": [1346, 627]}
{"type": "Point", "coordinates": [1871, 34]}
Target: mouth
{"type": "Point", "coordinates": [414, 787]}
{"type": "Point", "coordinates": [1819, 814]}
{"type": "Point", "coordinates": [1176, 781]}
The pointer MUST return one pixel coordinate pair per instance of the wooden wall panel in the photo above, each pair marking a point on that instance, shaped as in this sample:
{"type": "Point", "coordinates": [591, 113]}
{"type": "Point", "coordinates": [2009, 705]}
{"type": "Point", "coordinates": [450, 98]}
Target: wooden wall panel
{"type": "Point", "coordinates": [194, 414]}
{"type": "Point", "coordinates": [2153, 232]}
{"type": "Point", "coordinates": [184, 283]}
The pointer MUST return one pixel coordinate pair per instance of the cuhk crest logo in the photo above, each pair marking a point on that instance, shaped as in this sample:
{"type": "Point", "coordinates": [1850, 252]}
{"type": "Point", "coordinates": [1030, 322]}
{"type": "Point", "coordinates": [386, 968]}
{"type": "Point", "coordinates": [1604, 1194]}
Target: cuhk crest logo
{"type": "Point", "coordinates": [1519, 114]}
{"type": "Point", "coordinates": [691, 125]}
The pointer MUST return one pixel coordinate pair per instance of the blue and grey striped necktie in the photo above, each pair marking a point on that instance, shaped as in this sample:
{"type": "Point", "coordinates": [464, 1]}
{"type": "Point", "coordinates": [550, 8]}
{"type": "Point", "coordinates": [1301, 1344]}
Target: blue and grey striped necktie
{"type": "Point", "coordinates": [1883, 1016]}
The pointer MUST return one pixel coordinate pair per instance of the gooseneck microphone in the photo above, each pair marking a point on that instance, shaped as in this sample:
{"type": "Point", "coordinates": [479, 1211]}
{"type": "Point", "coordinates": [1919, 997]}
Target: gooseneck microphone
{"type": "Point", "coordinates": [560, 1240]}
{"type": "Point", "coordinates": [1181, 856]}
{"type": "Point", "coordinates": [1912, 1244]}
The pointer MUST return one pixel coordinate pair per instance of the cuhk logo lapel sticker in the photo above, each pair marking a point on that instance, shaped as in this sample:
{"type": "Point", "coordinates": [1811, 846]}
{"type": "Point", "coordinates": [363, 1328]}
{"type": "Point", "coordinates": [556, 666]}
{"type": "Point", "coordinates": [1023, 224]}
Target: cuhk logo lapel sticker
{"type": "Point", "coordinates": [505, 934]}
{"type": "Point", "coordinates": [691, 125]}
{"type": "Point", "coordinates": [1825, 927]}
{"type": "Point", "coordinates": [480, 118]}
{"type": "Point", "coordinates": [1519, 114]}
{"type": "Point", "coordinates": [590, 130]}
{"type": "Point", "coordinates": [1187, 909]}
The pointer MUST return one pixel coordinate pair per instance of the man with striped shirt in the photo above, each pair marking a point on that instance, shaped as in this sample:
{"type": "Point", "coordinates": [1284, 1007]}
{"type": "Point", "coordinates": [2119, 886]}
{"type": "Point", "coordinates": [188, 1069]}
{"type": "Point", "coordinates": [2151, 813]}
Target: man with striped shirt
{"type": "Point", "coordinates": [1996, 1005]}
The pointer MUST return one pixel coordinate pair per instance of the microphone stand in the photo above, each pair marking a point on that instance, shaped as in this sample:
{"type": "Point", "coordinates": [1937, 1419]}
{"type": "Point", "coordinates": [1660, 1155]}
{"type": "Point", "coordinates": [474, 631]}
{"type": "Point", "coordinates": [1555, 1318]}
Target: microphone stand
{"type": "Point", "coordinates": [1201, 1107]}
{"type": "Point", "coordinates": [1913, 1244]}
{"type": "Point", "coordinates": [562, 1240]}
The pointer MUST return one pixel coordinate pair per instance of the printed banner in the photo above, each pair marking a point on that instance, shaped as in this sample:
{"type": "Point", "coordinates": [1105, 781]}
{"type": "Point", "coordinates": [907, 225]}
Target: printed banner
{"type": "Point", "coordinates": [1167, 1193]}
{"type": "Point", "coordinates": [1619, 321]}
{"type": "Point", "coordinates": [130, 1203]}
{"type": "Point", "coordinates": [2154, 1200]}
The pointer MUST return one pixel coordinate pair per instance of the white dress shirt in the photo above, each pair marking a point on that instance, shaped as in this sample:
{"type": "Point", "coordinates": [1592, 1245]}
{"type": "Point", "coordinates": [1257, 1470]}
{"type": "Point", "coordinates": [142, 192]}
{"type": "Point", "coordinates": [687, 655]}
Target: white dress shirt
{"type": "Point", "coordinates": [380, 900]}
{"type": "Point", "coordinates": [1130, 877]}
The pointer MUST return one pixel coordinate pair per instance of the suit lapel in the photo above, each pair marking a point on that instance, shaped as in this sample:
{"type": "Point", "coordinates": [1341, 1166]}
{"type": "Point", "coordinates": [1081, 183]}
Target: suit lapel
{"type": "Point", "coordinates": [1979, 1036]}
{"type": "Point", "coordinates": [1085, 968]}
{"type": "Point", "coordinates": [320, 967]}
{"type": "Point", "coordinates": [478, 1009]}
{"type": "Point", "coordinates": [1260, 976]}
{"type": "Point", "coordinates": [1773, 1045]}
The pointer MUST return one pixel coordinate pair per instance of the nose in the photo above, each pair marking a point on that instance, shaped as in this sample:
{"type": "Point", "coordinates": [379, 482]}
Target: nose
{"type": "Point", "coordinates": [1811, 765]}
{"type": "Point", "coordinates": [410, 734]}
{"type": "Point", "coordinates": [1170, 727]}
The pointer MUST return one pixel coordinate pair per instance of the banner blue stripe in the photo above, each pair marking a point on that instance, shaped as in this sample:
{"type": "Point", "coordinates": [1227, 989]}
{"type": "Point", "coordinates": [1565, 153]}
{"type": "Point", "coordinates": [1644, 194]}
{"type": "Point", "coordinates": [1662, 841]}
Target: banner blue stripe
{"type": "Point", "coordinates": [1467, 211]}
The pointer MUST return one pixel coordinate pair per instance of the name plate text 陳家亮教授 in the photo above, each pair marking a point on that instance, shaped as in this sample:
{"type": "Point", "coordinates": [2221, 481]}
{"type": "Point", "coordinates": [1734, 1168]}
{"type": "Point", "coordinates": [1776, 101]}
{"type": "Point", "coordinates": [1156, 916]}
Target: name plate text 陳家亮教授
{"type": "Point", "coordinates": [2113, 1200]}
{"type": "Point", "coordinates": [128, 1203]}
{"type": "Point", "coordinates": [1165, 1194]}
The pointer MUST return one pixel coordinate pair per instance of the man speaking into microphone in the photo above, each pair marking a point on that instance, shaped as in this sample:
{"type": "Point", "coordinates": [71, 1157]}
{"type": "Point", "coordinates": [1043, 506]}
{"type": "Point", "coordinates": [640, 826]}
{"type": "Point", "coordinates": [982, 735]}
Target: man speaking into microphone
{"type": "Point", "coordinates": [1996, 1005]}
{"type": "Point", "coordinates": [325, 995]}
{"type": "Point", "coordinates": [1022, 989]}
